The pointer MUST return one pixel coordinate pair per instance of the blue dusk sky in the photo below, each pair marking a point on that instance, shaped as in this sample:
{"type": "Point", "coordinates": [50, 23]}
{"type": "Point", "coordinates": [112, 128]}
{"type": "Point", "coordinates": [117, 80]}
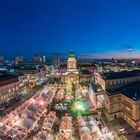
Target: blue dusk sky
{"type": "Point", "coordinates": [100, 28]}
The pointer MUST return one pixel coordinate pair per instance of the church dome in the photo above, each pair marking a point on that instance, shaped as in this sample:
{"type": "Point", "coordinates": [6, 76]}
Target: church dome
{"type": "Point", "coordinates": [71, 55]}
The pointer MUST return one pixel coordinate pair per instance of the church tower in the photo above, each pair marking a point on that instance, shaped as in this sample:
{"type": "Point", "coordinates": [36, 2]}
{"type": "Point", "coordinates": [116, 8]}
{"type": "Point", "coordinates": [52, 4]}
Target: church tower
{"type": "Point", "coordinates": [72, 62]}
{"type": "Point", "coordinates": [72, 73]}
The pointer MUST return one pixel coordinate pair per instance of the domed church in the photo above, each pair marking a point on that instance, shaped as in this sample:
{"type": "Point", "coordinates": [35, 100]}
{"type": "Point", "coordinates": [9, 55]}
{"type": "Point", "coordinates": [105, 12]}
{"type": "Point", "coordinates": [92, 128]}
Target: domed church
{"type": "Point", "coordinates": [72, 73]}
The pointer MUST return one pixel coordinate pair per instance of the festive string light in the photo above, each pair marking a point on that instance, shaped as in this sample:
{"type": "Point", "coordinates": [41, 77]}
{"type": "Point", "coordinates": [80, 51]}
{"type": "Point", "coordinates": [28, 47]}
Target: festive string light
{"type": "Point", "coordinates": [78, 106]}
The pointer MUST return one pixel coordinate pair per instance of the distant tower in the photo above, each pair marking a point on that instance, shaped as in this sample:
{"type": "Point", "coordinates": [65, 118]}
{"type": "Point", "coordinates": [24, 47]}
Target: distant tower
{"type": "Point", "coordinates": [37, 58]}
{"type": "Point", "coordinates": [1, 59]}
{"type": "Point", "coordinates": [18, 59]}
{"type": "Point", "coordinates": [129, 51]}
{"type": "Point", "coordinates": [130, 56]}
{"type": "Point", "coordinates": [44, 59]}
{"type": "Point", "coordinates": [57, 60]}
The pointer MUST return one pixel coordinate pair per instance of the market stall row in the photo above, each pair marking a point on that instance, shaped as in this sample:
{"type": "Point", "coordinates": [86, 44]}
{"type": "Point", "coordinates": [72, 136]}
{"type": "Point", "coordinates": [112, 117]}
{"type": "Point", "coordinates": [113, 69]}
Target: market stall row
{"type": "Point", "coordinates": [19, 123]}
{"type": "Point", "coordinates": [92, 128]}
{"type": "Point", "coordinates": [66, 129]}
{"type": "Point", "coordinates": [45, 133]}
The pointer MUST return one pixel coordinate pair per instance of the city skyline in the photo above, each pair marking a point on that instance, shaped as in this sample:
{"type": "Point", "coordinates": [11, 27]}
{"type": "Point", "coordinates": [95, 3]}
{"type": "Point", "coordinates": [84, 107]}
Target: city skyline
{"type": "Point", "coordinates": [98, 28]}
{"type": "Point", "coordinates": [69, 70]}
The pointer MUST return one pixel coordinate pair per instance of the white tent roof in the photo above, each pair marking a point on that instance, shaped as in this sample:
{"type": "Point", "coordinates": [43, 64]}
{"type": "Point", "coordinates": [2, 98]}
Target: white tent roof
{"type": "Point", "coordinates": [108, 136]}
{"type": "Point", "coordinates": [104, 130]}
{"type": "Point", "coordinates": [25, 123]}
{"type": "Point", "coordinates": [90, 117]}
{"type": "Point", "coordinates": [11, 115]}
{"type": "Point", "coordinates": [44, 95]}
{"type": "Point", "coordinates": [42, 135]}
{"type": "Point", "coordinates": [32, 107]}
{"type": "Point", "coordinates": [86, 136]}
{"type": "Point", "coordinates": [84, 129]}
{"type": "Point", "coordinates": [27, 112]}
{"type": "Point", "coordinates": [97, 122]}
{"type": "Point", "coordinates": [83, 123]}
{"type": "Point", "coordinates": [50, 137]}
{"type": "Point", "coordinates": [67, 118]}
{"type": "Point", "coordinates": [1, 124]}
{"type": "Point", "coordinates": [15, 119]}
{"type": "Point", "coordinates": [4, 128]}
{"type": "Point", "coordinates": [12, 132]}
{"type": "Point", "coordinates": [93, 129]}
{"type": "Point", "coordinates": [20, 136]}
{"type": "Point", "coordinates": [24, 118]}
{"type": "Point", "coordinates": [46, 125]}
{"type": "Point", "coordinates": [92, 122]}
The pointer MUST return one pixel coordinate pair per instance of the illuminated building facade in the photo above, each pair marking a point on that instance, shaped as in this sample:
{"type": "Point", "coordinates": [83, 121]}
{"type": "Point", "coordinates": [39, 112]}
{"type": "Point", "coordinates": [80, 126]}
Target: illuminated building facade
{"type": "Point", "coordinates": [82, 74]}
{"type": "Point", "coordinates": [121, 95]}
{"type": "Point", "coordinates": [33, 74]}
{"type": "Point", "coordinates": [18, 60]}
{"type": "Point", "coordinates": [57, 60]}
{"type": "Point", "coordinates": [1, 59]}
{"type": "Point", "coordinates": [23, 83]}
{"type": "Point", "coordinates": [72, 72]}
{"type": "Point", "coordinates": [9, 87]}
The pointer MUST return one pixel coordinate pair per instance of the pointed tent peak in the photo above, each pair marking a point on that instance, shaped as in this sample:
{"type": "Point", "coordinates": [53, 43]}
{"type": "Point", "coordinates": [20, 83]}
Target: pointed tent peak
{"type": "Point", "coordinates": [71, 54]}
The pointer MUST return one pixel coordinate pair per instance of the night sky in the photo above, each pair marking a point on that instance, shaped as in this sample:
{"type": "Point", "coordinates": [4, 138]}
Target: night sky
{"type": "Point", "coordinates": [88, 27]}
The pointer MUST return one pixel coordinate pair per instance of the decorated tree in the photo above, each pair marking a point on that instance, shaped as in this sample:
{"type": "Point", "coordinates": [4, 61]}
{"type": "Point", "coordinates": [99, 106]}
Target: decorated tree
{"type": "Point", "coordinates": [69, 87]}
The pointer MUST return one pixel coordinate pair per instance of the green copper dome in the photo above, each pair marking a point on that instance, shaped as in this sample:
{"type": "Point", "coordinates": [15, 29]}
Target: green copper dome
{"type": "Point", "coordinates": [71, 55]}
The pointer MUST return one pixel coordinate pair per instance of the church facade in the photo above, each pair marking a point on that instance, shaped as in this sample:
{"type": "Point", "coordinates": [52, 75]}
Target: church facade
{"type": "Point", "coordinates": [72, 73]}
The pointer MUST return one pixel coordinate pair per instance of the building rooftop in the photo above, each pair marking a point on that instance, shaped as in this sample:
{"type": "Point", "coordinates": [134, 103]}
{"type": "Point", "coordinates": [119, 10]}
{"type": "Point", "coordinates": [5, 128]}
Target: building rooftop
{"type": "Point", "coordinates": [7, 78]}
{"type": "Point", "coordinates": [119, 75]}
{"type": "Point", "coordinates": [85, 72]}
{"type": "Point", "coordinates": [16, 74]}
{"type": "Point", "coordinates": [132, 91]}
{"type": "Point", "coordinates": [27, 69]}
{"type": "Point", "coordinates": [87, 65]}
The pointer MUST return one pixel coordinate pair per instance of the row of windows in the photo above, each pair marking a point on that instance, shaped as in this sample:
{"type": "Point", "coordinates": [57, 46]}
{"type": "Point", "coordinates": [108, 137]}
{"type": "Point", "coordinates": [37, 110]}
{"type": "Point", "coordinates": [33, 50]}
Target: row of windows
{"type": "Point", "coordinates": [127, 107]}
{"type": "Point", "coordinates": [72, 64]}
{"type": "Point", "coordinates": [8, 89]}
{"type": "Point", "coordinates": [127, 110]}
{"type": "Point", "coordinates": [8, 86]}
{"type": "Point", "coordinates": [123, 81]}
{"type": "Point", "coordinates": [6, 92]}
{"type": "Point", "coordinates": [6, 96]}
{"type": "Point", "coordinates": [127, 103]}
